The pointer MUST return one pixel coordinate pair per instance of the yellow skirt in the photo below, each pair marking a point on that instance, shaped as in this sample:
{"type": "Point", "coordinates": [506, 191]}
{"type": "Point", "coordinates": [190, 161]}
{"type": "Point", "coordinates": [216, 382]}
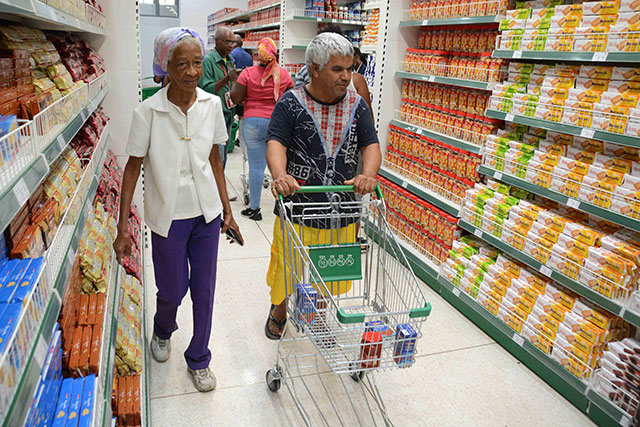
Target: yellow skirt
{"type": "Point", "coordinates": [312, 236]}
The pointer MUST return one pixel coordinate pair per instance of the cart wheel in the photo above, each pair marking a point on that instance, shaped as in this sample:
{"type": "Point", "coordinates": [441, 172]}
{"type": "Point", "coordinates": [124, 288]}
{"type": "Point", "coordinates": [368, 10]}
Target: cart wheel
{"type": "Point", "coordinates": [273, 382]}
{"type": "Point", "coordinates": [357, 375]}
{"type": "Point", "coordinates": [245, 199]}
{"type": "Point", "coordinates": [265, 184]}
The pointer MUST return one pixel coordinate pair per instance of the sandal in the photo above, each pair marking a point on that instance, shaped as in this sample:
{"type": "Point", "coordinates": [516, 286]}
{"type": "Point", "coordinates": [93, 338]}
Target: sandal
{"type": "Point", "coordinates": [278, 323]}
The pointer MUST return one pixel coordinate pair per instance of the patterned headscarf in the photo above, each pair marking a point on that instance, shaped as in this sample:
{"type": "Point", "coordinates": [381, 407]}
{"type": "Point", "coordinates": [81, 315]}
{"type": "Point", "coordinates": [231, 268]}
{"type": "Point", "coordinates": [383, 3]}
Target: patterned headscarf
{"type": "Point", "coordinates": [267, 51]}
{"type": "Point", "coordinates": [162, 46]}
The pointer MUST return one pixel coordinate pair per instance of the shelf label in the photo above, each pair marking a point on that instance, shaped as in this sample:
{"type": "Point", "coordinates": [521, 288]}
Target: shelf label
{"type": "Point", "coordinates": [41, 351]}
{"type": "Point", "coordinates": [573, 203]}
{"type": "Point", "coordinates": [600, 56]}
{"type": "Point", "coordinates": [478, 233]}
{"type": "Point", "coordinates": [404, 184]}
{"type": "Point", "coordinates": [319, 19]}
{"type": "Point", "coordinates": [517, 338]}
{"type": "Point", "coordinates": [509, 117]}
{"type": "Point", "coordinates": [71, 257]}
{"type": "Point", "coordinates": [545, 270]}
{"type": "Point", "coordinates": [587, 133]}
{"type": "Point", "coordinates": [456, 292]}
{"type": "Point", "coordinates": [497, 175]}
{"type": "Point", "coordinates": [517, 54]}
{"type": "Point", "coordinates": [61, 142]}
{"type": "Point", "coordinates": [432, 78]}
{"type": "Point", "coordinates": [419, 131]}
{"type": "Point", "coordinates": [83, 116]}
{"type": "Point", "coordinates": [21, 191]}
{"type": "Point", "coordinates": [425, 22]}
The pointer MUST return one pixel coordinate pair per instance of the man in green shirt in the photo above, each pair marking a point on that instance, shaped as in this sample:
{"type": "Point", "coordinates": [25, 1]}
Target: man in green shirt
{"type": "Point", "coordinates": [218, 75]}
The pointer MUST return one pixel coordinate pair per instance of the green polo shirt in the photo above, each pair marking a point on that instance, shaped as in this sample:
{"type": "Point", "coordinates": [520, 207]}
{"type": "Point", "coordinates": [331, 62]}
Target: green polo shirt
{"type": "Point", "coordinates": [214, 68]}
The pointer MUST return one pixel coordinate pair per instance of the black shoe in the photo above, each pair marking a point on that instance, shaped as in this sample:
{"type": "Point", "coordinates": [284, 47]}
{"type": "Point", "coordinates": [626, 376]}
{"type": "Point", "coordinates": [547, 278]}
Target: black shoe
{"type": "Point", "coordinates": [233, 198]}
{"type": "Point", "coordinates": [253, 214]}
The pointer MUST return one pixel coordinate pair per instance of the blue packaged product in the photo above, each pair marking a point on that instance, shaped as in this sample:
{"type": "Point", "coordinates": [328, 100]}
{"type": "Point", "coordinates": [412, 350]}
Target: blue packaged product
{"type": "Point", "coordinates": [405, 347]}
{"type": "Point", "coordinates": [75, 403]}
{"type": "Point", "coordinates": [64, 398]}
{"type": "Point", "coordinates": [385, 331]}
{"type": "Point", "coordinates": [87, 401]}
{"type": "Point", "coordinates": [6, 292]}
{"type": "Point", "coordinates": [7, 269]}
{"type": "Point", "coordinates": [306, 300]}
{"type": "Point", "coordinates": [8, 324]}
{"type": "Point", "coordinates": [9, 146]}
{"type": "Point", "coordinates": [28, 280]}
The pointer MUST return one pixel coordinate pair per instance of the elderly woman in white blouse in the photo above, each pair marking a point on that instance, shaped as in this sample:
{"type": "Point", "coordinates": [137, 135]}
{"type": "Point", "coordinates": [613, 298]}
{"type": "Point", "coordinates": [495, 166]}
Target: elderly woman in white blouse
{"type": "Point", "coordinates": [176, 133]}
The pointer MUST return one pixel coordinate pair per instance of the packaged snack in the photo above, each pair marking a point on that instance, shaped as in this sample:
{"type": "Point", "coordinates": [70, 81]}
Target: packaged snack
{"type": "Point", "coordinates": [370, 350]}
{"type": "Point", "coordinates": [404, 348]}
{"type": "Point", "coordinates": [629, 6]}
{"type": "Point", "coordinates": [601, 8]}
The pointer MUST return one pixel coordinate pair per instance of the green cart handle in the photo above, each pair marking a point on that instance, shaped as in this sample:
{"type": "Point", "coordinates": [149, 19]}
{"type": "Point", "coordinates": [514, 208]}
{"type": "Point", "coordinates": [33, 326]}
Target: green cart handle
{"type": "Point", "coordinates": [331, 189]}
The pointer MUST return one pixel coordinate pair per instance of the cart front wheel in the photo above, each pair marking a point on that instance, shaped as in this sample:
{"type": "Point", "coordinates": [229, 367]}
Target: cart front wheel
{"type": "Point", "coordinates": [245, 199]}
{"type": "Point", "coordinates": [357, 376]}
{"type": "Point", "coordinates": [273, 381]}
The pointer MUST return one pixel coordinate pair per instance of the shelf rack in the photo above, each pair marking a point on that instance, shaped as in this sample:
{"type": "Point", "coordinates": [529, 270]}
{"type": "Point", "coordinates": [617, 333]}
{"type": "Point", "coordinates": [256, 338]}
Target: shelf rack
{"type": "Point", "coordinates": [446, 139]}
{"type": "Point", "coordinates": [48, 17]}
{"type": "Point", "coordinates": [625, 57]}
{"type": "Point", "coordinates": [451, 21]}
{"type": "Point", "coordinates": [471, 84]}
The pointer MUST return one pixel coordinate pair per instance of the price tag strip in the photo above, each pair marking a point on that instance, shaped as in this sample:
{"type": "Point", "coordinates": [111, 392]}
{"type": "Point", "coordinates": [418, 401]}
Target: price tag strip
{"type": "Point", "coordinates": [21, 192]}
{"type": "Point", "coordinates": [41, 351]}
{"type": "Point", "coordinates": [456, 292]}
{"type": "Point", "coordinates": [545, 270]}
{"type": "Point", "coordinates": [587, 133]}
{"type": "Point", "coordinates": [478, 233]}
{"type": "Point", "coordinates": [509, 117]}
{"type": "Point", "coordinates": [573, 203]}
{"type": "Point", "coordinates": [61, 142]}
{"type": "Point", "coordinates": [497, 175]}
{"type": "Point", "coordinates": [518, 339]}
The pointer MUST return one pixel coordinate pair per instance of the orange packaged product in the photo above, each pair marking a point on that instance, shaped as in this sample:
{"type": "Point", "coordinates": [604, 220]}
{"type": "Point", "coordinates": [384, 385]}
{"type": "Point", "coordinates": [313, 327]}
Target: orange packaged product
{"type": "Point", "coordinates": [94, 355]}
{"type": "Point", "coordinates": [76, 345]}
{"type": "Point", "coordinates": [91, 312]}
{"type": "Point", "coordinates": [85, 350]}
{"type": "Point", "coordinates": [83, 309]}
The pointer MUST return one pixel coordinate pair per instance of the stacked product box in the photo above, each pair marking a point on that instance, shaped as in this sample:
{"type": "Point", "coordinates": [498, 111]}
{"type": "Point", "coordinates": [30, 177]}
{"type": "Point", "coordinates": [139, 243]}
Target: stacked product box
{"type": "Point", "coordinates": [129, 334]}
{"type": "Point", "coordinates": [601, 173]}
{"type": "Point", "coordinates": [426, 227]}
{"type": "Point", "coordinates": [617, 378]}
{"type": "Point", "coordinates": [602, 98]}
{"type": "Point", "coordinates": [601, 255]}
{"type": "Point", "coordinates": [441, 168]}
{"type": "Point", "coordinates": [264, 16]}
{"type": "Point", "coordinates": [256, 36]}
{"type": "Point", "coordinates": [567, 328]}
{"type": "Point", "coordinates": [255, 4]}
{"type": "Point", "coordinates": [599, 26]}
{"type": "Point", "coordinates": [434, 9]}
{"type": "Point", "coordinates": [372, 30]}
{"type": "Point", "coordinates": [126, 400]}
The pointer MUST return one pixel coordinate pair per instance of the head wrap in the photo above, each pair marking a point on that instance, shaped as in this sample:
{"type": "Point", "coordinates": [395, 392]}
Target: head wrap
{"type": "Point", "coordinates": [162, 46]}
{"type": "Point", "coordinates": [267, 54]}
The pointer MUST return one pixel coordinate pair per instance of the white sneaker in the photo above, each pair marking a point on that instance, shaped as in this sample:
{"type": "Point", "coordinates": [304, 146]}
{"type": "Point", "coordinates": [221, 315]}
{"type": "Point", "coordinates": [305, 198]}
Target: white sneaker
{"type": "Point", "coordinates": [203, 379]}
{"type": "Point", "coordinates": [160, 349]}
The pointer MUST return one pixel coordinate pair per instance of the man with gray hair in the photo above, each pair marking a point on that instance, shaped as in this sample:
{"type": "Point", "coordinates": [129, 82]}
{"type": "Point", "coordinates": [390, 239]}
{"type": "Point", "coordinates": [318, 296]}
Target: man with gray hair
{"type": "Point", "coordinates": [315, 136]}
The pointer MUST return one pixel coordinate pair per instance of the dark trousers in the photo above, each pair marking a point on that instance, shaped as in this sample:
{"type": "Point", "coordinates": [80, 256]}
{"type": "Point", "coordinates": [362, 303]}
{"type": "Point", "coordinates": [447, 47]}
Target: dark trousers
{"type": "Point", "coordinates": [186, 260]}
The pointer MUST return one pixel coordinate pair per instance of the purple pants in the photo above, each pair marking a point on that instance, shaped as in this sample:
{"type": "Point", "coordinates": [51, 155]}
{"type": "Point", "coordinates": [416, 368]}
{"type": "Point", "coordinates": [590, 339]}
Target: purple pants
{"type": "Point", "coordinates": [190, 243]}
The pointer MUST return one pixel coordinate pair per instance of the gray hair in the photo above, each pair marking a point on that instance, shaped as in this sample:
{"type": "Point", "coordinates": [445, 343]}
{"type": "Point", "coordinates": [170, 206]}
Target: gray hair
{"type": "Point", "coordinates": [324, 46]}
{"type": "Point", "coordinates": [185, 39]}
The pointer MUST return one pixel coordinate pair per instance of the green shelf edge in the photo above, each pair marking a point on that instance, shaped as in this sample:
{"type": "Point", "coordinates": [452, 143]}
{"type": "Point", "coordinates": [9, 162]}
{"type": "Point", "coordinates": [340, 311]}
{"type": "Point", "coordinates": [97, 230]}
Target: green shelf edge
{"type": "Point", "coordinates": [575, 391]}
{"type": "Point", "coordinates": [437, 136]}
{"type": "Point", "coordinates": [450, 21]}
{"type": "Point", "coordinates": [628, 57]}
{"type": "Point", "coordinates": [619, 219]}
{"type": "Point", "coordinates": [107, 413]}
{"type": "Point", "coordinates": [26, 389]}
{"type": "Point", "coordinates": [424, 195]}
{"type": "Point", "coordinates": [626, 140]}
{"type": "Point", "coordinates": [598, 299]}
{"type": "Point", "coordinates": [444, 80]}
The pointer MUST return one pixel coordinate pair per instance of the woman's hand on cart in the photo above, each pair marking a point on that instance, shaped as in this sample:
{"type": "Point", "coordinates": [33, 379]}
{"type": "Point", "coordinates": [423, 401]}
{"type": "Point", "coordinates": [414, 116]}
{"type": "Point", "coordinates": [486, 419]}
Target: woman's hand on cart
{"type": "Point", "coordinates": [122, 246]}
{"type": "Point", "coordinates": [363, 184]}
{"type": "Point", "coordinates": [284, 185]}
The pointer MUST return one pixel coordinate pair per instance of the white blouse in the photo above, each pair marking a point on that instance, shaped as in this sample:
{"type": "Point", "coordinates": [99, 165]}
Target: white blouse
{"type": "Point", "coordinates": [179, 181]}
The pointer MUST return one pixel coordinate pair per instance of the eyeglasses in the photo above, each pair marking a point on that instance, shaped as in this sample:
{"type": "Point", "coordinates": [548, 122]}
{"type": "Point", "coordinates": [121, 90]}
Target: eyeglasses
{"type": "Point", "coordinates": [229, 42]}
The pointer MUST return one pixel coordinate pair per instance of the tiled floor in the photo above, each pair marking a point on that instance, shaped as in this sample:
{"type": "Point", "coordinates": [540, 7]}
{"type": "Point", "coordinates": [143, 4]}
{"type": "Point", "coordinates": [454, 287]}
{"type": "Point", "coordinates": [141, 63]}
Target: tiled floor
{"type": "Point", "coordinates": [462, 376]}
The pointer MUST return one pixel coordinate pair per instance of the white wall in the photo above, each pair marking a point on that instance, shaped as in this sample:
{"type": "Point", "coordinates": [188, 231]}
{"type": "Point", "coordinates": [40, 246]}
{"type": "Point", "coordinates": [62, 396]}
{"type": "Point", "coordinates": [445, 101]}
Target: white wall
{"type": "Point", "coordinates": [193, 15]}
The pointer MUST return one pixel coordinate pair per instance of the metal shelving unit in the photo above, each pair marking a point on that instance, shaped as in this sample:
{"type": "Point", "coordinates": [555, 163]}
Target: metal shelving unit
{"type": "Point", "coordinates": [471, 84]}
{"type": "Point", "coordinates": [623, 57]}
{"type": "Point", "coordinates": [452, 21]}
{"type": "Point", "coordinates": [47, 17]}
{"type": "Point", "coordinates": [446, 139]}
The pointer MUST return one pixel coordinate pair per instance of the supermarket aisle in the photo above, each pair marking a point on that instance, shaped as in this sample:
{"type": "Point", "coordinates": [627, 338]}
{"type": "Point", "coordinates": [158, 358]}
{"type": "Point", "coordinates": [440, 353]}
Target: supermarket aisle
{"type": "Point", "coordinates": [462, 377]}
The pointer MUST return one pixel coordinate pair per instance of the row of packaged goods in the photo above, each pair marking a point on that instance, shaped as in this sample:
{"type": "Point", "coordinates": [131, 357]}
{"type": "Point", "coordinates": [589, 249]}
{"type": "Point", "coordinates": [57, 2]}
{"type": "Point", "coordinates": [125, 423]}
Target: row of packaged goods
{"type": "Point", "coordinates": [256, 36]}
{"type": "Point", "coordinates": [598, 97]}
{"type": "Point", "coordinates": [598, 26]}
{"type": "Point", "coordinates": [86, 10]}
{"type": "Point", "coordinates": [426, 227]}
{"type": "Point", "coordinates": [568, 328]}
{"type": "Point", "coordinates": [372, 29]}
{"type": "Point", "coordinates": [457, 99]}
{"type": "Point", "coordinates": [222, 13]}
{"type": "Point", "coordinates": [23, 290]}
{"type": "Point", "coordinates": [443, 9]}
{"type": "Point", "coordinates": [596, 253]}
{"type": "Point", "coordinates": [37, 69]}
{"type": "Point", "coordinates": [267, 15]}
{"type": "Point", "coordinates": [85, 321]}
{"type": "Point", "coordinates": [466, 39]}
{"type": "Point", "coordinates": [329, 9]}
{"type": "Point", "coordinates": [467, 66]}
{"type": "Point", "coordinates": [603, 174]}
{"type": "Point", "coordinates": [255, 4]}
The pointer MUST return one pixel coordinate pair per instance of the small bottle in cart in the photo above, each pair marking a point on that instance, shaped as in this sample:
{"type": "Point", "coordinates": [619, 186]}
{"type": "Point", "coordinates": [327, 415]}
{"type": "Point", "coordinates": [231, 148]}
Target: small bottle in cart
{"type": "Point", "coordinates": [306, 300]}
{"type": "Point", "coordinates": [370, 350]}
{"type": "Point", "coordinates": [405, 347]}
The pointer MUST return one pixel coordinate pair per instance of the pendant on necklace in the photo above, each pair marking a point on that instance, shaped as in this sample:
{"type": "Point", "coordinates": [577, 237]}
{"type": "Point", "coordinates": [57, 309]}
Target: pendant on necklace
{"type": "Point", "coordinates": [185, 138]}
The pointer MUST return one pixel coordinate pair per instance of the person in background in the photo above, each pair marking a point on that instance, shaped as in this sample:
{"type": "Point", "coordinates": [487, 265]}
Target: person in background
{"type": "Point", "coordinates": [315, 136]}
{"type": "Point", "coordinates": [242, 58]}
{"type": "Point", "coordinates": [175, 133]}
{"type": "Point", "coordinates": [219, 72]}
{"type": "Point", "coordinates": [357, 84]}
{"type": "Point", "coordinates": [162, 80]}
{"type": "Point", "coordinates": [259, 87]}
{"type": "Point", "coordinates": [359, 61]}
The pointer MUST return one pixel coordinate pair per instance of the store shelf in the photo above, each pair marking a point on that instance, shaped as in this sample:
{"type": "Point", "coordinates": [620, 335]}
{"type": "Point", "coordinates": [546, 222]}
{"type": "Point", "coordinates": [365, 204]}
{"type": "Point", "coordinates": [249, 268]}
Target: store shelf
{"type": "Point", "coordinates": [19, 407]}
{"type": "Point", "coordinates": [623, 220]}
{"type": "Point", "coordinates": [616, 138]}
{"type": "Point", "coordinates": [18, 192]}
{"type": "Point", "coordinates": [327, 20]}
{"type": "Point", "coordinates": [241, 14]}
{"type": "Point", "coordinates": [371, 5]}
{"type": "Point", "coordinates": [417, 189]}
{"type": "Point", "coordinates": [265, 7]}
{"type": "Point", "coordinates": [614, 307]}
{"type": "Point", "coordinates": [445, 80]}
{"type": "Point", "coordinates": [257, 27]}
{"type": "Point", "coordinates": [452, 21]}
{"type": "Point", "coordinates": [46, 17]}
{"type": "Point", "coordinates": [458, 143]}
{"type": "Point", "coordinates": [626, 57]}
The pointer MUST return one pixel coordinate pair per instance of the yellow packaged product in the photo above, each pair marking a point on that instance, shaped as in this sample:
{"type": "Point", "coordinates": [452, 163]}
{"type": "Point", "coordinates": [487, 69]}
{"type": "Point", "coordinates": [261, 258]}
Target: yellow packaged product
{"type": "Point", "coordinates": [624, 87]}
{"type": "Point", "coordinates": [584, 328]}
{"type": "Point", "coordinates": [596, 85]}
{"type": "Point", "coordinates": [583, 233]}
{"type": "Point", "coordinates": [561, 21]}
{"type": "Point", "coordinates": [594, 21]}
{"type": "Point", "coordinates": [605, 258]}
{"type": "Point", "coordinates": [539, 174]}
{"type": "Point", "coordinates": [609, 7]}
{"type": "Point", "coordinates": [598, 317]}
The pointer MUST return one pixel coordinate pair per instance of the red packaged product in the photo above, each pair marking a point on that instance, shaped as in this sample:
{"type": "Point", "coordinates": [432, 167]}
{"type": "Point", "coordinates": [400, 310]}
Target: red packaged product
{"type": "Point", "coordinates": [370, 350]}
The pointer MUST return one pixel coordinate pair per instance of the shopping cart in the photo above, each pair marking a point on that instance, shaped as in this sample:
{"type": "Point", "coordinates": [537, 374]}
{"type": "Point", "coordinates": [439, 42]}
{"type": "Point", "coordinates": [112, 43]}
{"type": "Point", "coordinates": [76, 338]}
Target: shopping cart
{"type": "Point", "coordinates": [353, 308]}
{"type": "Point", "coordinates": [244, 176]}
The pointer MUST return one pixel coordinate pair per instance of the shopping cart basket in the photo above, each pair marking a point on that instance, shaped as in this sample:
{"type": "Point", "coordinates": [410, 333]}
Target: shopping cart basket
{"type": "Point", "coordinates": [353, 307]}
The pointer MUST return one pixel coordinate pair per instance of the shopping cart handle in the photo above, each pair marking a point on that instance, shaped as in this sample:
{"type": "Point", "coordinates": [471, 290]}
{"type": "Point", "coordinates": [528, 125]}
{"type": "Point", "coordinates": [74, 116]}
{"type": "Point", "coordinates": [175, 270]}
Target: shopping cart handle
{"type": "Point", "coordinates": [420, 312]}
{"type": "Point", "coordinates": [348, 318]}
{"type": "Point", "coordinates": [333, 189]}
